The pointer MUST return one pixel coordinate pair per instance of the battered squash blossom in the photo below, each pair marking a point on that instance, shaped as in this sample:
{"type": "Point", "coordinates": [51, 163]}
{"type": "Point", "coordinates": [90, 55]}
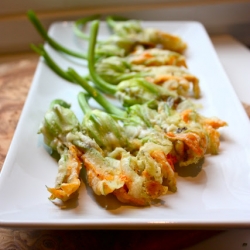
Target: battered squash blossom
{"type": "Point", "coordinates": [131, 152]}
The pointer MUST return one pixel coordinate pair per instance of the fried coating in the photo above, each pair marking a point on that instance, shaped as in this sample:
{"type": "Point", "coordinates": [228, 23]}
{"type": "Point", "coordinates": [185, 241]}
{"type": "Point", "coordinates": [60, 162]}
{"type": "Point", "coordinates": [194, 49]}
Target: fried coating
{"type": "Point", "coordinates": [103, 173]}
{"type": "Point", "coordinates": [196, 136]}
{"type": "Point", "coordinates": [68, 180]}
{"type": "Point", "coordinates": [156, 57]}
{"type": "Point", "coordinates": [173, 78]}
{"type": "Point", "coordinates": [133, 179]}
{"type": "Point", "coordinates": [169, 41]}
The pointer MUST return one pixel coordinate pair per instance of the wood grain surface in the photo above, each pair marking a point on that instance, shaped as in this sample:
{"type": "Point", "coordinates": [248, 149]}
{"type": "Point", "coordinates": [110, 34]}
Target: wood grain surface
{"type": "Point", "coordinates": [15, 80]}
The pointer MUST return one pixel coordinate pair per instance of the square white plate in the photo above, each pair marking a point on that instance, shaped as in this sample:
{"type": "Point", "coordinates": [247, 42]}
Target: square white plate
{"type": "Point", "coordinates": [219, 196]}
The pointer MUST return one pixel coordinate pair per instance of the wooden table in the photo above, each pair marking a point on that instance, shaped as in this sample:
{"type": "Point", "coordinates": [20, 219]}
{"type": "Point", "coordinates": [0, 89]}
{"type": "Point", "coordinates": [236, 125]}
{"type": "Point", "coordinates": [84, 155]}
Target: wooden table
{"type": "Point", "coordinates": [15, 80]}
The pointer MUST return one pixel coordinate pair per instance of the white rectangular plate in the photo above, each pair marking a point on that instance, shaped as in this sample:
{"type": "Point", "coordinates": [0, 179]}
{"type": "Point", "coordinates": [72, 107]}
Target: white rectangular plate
{"type": "Point", "coordinates": [219, 196]}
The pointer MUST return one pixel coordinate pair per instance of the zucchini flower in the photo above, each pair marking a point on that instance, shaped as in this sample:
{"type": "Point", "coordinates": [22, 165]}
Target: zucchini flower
{"type": "Point", "coordinates": [115, 69]}
{"type": "Point", "coordinates": [114, 46]}
{"type": "Point", "coordinates": [59, 126]}
{"type": "Point", "coordinates": [58, 121]}
{"type": "Point", "coordinates": [143, 176]}
{"type": "Point", "coordinates": [137, 180]}
{"type": "Point", "coordinates": [192, 134]}
{"type": "Point", "coordinates": [124, 27]}
{"type": "Point", "coordinates": [146, 36]}
{"type": "Point", "coordinates": [171, 77]}
{"type": "Point", "coordinates": [102, 127]}
{"type": "Point", "coordinates": [156, 57]}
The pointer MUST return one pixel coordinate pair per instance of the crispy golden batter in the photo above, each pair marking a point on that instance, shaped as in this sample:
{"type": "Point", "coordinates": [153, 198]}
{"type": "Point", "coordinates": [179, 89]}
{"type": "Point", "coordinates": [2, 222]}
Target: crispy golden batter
{"type": "Point", "coordinates": [172, 77]}
{"type": "Point", "coordinates": [199, 137]}
{"type": "Point", "coordinates": [68, 181]}
{"type": "Point", "coordinates": [136, 180]}
{"type": "Point", "coordinates": [171, 42]}
{"type": "Point", "coordinates": [103, 173]}
{"type": "Point", "coordinates": [194, 148]}
{"type": "Point", "coordinates": [167, 168]}
{"type": "Point", "coordinates": [143, 180]}
{"type": "Point", "coordinates": [153, 37]}
{"type": "Point", "coordinates": [156, 57]}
